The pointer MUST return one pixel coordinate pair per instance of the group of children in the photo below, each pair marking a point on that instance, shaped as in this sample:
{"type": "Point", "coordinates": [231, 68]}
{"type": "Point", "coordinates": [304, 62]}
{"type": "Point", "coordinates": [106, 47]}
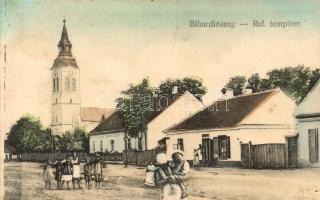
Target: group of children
{"type": "Point", "coordinates": [69, 170]}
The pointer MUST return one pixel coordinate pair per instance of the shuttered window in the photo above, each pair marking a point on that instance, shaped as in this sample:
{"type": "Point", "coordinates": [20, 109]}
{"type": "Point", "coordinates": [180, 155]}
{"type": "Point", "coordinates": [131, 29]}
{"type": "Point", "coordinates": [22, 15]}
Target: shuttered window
{"type": "Point", "coordinates": [313, 145]}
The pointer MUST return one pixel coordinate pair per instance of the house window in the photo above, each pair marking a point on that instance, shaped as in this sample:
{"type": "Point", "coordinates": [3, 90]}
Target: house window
{"type": "Point", "coordinates": [140, 143]}
{"type": "Point", "coordinates": [112, 144]}
{"type": "Point", "coordinates": [67, 84]}
{"type": "Point", "coordinates": [101, 146]}
{"type": "Point", "coordinates": [93, 146]}
{"type": "Point", "coordinates": [73, 84]}
{"type": "Point", "coordinates": [313, 145]}
{"type": "Point", "coordinates": [129, 143]}
{"type": "Point", "coordinates": [224, 147]}
{"type": "Point", "coordinates": [180, 144]}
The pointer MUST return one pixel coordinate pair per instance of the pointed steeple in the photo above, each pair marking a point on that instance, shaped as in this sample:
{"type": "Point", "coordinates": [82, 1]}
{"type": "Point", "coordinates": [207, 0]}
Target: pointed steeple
{"type": "Point", "coordinates": [65, 57]}
{"type": "Point", "coordinates": [64, 43]}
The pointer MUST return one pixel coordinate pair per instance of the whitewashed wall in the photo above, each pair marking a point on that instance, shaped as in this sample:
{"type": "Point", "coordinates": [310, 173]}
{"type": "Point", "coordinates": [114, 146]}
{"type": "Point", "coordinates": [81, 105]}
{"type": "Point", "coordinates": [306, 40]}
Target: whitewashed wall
{"type": "Point", "coordinates": [303, 140]}
{"type": "Point", "coordinates": [182, 108]}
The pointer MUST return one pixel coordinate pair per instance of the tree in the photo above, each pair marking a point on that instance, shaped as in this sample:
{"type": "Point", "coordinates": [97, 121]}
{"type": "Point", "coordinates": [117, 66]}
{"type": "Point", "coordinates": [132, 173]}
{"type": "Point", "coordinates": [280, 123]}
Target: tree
{"type": "Point", "coordinates": [254, 82]}
{"type": "Point", "coordinates": [237, 84]}
{"type": "Point", "coordinates": [193, 84]}
{"type": "Point", "coordinates": [77, 140]}
{"type": "Point", "coordinates": [27, 135]}
{"type": "Point", "coordinates": [137, 109]}
{"type": "Point", "coordinates": [296, 81]}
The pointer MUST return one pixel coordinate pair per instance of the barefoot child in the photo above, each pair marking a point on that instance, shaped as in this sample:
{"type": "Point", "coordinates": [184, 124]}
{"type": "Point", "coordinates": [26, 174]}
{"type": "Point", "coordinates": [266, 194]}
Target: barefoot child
{"type": "Point", "coordinates": [48, 175]}
{"type": "Point", "coordinates": [87, 170]}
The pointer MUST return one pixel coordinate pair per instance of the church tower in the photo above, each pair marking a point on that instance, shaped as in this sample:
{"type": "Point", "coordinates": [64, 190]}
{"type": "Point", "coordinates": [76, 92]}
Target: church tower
{"type": "Point", "coordinates": [65, 98]}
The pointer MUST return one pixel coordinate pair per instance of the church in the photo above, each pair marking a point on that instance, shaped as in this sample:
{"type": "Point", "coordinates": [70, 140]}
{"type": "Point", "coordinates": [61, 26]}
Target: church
{"type": "Point", "coordinates": [66, 111]}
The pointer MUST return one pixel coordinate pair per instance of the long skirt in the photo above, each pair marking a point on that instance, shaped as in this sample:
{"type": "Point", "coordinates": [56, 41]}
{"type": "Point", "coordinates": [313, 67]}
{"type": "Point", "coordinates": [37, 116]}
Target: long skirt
{"type": "Point", "coordinates": [149, 179]}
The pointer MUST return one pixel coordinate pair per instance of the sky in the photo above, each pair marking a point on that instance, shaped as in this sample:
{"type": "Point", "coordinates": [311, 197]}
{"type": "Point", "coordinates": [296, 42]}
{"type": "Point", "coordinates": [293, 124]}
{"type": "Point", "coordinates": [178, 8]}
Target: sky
{"type": "Point", "coordinates": [117, 43]}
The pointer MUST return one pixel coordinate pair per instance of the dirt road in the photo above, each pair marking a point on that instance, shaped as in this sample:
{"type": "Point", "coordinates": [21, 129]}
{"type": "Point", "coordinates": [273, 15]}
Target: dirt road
{"type": "Point", "coordinates": [24, 181]}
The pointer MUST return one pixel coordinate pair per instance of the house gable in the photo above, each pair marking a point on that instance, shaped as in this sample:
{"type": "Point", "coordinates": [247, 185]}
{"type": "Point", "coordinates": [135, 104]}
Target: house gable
{"type": "Point", "coordinates": [277, 109]}
{"type": "Point", "coordinates": [310, 105]}
{"type": "Point", "coordinates": [180, 109]}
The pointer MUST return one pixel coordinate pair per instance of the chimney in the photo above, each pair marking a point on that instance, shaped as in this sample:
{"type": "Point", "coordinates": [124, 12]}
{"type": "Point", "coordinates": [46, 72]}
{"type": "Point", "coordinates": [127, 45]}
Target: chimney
{"type": "Point", "coordinates": [247, 91]}
{"type": "Point", "coordinates": [227, 93]}
{"type": "Point", "coordinates": [175, 89]}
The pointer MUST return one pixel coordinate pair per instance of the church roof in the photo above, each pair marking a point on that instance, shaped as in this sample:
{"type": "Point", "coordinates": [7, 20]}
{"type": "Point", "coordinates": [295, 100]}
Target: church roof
{"type": "Point", "coordinates": [217, 116]}
{"type": "Point", "coordinates": [94, 114]}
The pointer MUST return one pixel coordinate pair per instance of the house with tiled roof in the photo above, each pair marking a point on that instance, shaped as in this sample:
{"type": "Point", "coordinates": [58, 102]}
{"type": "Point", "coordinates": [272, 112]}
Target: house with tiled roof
{"type": "Point", "coordinates": [308, 117]}
{"type": "Point", "coordinates": [109, 134]}
{"type": "Point", "coordinates": [259, 118]}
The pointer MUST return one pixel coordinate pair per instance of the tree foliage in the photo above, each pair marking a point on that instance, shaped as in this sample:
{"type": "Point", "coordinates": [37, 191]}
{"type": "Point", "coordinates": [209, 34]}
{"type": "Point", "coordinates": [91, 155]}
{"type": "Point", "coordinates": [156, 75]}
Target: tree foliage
{"type": "Point", "coordinates": [28, 135]}
{"type": "Point", "coordinates": [192, 84]}
{"type": "Point", "coordinates": [295, 81]}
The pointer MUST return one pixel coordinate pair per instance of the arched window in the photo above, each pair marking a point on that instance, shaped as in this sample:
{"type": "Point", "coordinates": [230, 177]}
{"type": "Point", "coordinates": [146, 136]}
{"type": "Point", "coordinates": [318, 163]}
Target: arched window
{"type": "Point", "coordinates": [73, 84]}
{"type": "Point", "coordinates": [67, 84]}
{"type": "Point", "coordinates": [54, 84]}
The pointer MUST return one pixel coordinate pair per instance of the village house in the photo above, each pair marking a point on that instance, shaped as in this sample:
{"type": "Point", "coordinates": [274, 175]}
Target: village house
{"type": "Point", "coordinates": [259, 118]}
{"type": "Point", "coordinates": [308, 116]}
{"type": "Point", "coordinates": [109, 134]}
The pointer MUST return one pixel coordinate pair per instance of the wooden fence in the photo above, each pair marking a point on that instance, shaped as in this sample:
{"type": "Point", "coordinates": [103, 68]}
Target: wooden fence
{"type": "Point", "coordinates": [42, 157]}
{"type": "Point", "coordinates": [140, 158]}
{"type": "Point", "coordinates": [267, 156]}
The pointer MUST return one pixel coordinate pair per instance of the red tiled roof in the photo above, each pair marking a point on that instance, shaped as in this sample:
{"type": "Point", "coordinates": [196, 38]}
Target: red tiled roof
{"type": "Point", "coordinates": [217, 116]}
{"type": "Point", "coordinates": [93, 114]}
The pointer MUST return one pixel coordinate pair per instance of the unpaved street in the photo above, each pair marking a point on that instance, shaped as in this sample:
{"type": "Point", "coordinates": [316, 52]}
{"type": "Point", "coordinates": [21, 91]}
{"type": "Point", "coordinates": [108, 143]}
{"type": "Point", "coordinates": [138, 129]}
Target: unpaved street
{"type": "Point", "coordinates": [24, 181]}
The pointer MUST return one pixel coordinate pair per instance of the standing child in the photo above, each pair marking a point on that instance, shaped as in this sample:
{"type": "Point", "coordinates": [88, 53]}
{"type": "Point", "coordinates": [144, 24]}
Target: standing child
{"type": "Point", "coordinates": [87, 170]}
{"type": "Point", "coordinates": [76, 175]}
{"type": "Point", "coordinates": [97, 168]}
{"type": "Point", "coordinates": [58, 173]}
{"type": "Point", "coordinates": [48, 175]}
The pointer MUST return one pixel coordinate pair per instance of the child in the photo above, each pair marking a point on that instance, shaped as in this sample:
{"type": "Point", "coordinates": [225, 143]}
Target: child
{"type": "Point", "coordinates": [58, 173]}
{"type": "Point", "coordinates": [87, 170]}
{"type": "Point", "coordinates": [149, 179]}
{"type": "Point", "coordinates": [48, 175]}
{"type": "Point", "coordinates": [67, 172]}
{"type": "Point", "coordinates": [97, 168]}
{"type": "Point", "coordinates": [76, 176]}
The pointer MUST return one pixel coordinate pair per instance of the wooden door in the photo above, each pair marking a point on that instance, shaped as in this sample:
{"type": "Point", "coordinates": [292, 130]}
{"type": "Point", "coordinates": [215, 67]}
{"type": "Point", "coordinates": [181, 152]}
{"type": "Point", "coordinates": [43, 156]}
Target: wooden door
{"type": "Point", "coordinates": [206, 151]}
{"type": "Point", "coordinates": [293, 151]}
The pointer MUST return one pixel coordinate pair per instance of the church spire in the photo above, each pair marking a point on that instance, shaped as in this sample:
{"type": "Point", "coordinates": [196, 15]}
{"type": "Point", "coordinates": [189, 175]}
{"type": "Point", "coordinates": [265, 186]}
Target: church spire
{"type": "Point", "coordinates": [64, 43]}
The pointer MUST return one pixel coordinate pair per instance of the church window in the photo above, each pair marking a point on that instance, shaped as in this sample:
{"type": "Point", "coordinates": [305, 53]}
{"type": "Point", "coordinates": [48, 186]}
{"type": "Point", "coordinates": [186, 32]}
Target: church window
{"type": "Point", "coordinates": [57, 84]}
{"type": "Point", "coordinates": [56, 100]}
{"type": "Point", "coordinates": [67, 84]}
{"type": "Point", "coordinates": [70, 100]}
{"type": "Point", "coordinates": [54, 84]}
{"type": "Point", "coordinates": [56, 118]}
{"type": "Point", "coordinates": [73, 84]}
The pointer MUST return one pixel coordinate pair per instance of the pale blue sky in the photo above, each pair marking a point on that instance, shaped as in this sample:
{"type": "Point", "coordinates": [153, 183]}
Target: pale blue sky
{"type": "Point", "coordinates": [120, 42]}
